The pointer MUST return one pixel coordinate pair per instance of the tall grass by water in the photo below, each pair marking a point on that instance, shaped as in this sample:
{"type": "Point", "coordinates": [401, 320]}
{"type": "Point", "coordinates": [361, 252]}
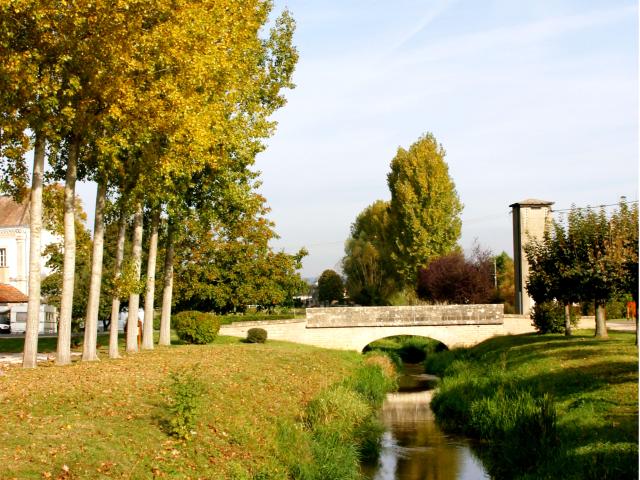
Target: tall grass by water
{"type": "Point", "coordinates": [340, 427]}
{"type": "Point", "coordinates": [545, 406]}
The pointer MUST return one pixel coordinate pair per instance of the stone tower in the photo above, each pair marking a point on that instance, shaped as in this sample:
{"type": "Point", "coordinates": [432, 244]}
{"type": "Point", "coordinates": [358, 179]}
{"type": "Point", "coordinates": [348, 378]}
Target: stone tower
{"type": "Point", "coordinates": [531, 218]}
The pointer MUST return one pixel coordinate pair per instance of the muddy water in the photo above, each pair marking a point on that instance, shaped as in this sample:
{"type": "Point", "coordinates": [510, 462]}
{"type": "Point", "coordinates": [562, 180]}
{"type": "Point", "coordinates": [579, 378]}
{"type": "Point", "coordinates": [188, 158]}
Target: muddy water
{"type": "Point", "coordinates": [413, 447]}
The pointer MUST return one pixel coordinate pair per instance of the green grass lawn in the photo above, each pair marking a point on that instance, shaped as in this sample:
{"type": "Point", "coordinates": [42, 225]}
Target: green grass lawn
{"type": "Point", "coordinates": [105, 419]}
{"type": "Point", "coordinates": [593, 384]}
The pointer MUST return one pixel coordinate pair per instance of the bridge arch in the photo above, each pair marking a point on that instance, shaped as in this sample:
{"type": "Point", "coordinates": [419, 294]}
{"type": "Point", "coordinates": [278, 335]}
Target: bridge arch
{"type": "Point", "coordinates": [411, 349]}
{"type": "Point", "coordinates": [365, 336]}
{"type": "Point", "coordinates": [438, 344]}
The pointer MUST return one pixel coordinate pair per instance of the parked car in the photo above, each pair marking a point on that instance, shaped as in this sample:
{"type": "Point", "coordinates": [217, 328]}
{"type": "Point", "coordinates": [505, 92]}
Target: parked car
{"type": "Point", "coordinates": [5, 325]}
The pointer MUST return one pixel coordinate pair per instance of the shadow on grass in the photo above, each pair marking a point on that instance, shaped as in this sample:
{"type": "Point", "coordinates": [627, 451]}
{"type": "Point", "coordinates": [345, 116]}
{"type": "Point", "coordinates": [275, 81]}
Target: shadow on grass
{"type": "Point", "coordinates": [527, 347]}
{"type": "Point", "coordinates": [571, 381]}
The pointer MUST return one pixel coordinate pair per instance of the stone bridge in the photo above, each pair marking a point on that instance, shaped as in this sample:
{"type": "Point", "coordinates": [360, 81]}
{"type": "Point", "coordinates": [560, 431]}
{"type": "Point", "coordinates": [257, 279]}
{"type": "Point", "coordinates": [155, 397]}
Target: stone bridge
{"type": "Point", "coordinates": [353, 328]}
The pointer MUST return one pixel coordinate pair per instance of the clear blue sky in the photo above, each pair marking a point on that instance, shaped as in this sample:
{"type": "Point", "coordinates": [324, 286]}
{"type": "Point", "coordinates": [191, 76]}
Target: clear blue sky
{"type": "Point", "coordinates": [531, 98]}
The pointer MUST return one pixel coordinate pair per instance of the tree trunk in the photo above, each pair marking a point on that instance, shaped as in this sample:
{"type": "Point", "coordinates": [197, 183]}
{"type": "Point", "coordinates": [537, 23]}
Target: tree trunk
{"type": "Point", "coordinates": [30, 355]}
{"type": "Point", "coordinates": [601, 323]}
{"type": "Point", "coordinates": [93, 303]}
{"type": "Point", "coordinates": [567, 319]}
{"type": "Point", "coordinates": [134, 298]}
{"type": "Point", "coordinates": [167, 292]}
{"type": "Point", "coordinates": [147, 336]}
{"type": "Point", "coordinates": [63, 356]}
{"type": "Point", "coordinates": [115, 301]}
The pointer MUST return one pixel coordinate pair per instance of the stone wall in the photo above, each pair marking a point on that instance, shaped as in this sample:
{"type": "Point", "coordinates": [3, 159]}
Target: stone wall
{"type": "Point", "coordinates": [453, 332]}
{"type": "Point", "coordinates": [338, 317]}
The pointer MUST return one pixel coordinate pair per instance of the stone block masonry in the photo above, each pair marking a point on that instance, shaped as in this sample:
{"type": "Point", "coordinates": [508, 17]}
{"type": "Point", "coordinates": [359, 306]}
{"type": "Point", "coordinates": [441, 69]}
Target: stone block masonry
{"type": "Point", "coordinates": [353, 328]}
{"type": "Point", "coordinates": [342, 317]}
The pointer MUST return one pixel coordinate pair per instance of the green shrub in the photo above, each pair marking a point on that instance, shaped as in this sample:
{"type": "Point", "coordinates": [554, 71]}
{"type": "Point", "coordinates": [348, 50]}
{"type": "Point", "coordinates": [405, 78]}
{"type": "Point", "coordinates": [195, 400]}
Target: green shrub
{"type": "Point", "coordinates": [256, 335]}
{"type": "Point", "coordinates": [196, 327]}
{"type": "Point", "coordinates": [548, 317]}
{"type": "Point", "coordinates": [185, 393]}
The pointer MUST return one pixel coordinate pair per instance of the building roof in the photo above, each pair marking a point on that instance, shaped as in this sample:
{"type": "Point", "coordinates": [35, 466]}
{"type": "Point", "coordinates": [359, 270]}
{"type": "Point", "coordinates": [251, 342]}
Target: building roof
{"type": "Point", "coordinates": [13, 214]}
{"type": "Point", "coordinates": [9, 294]}
{"type": "Point", "coordinates": [532, 202]}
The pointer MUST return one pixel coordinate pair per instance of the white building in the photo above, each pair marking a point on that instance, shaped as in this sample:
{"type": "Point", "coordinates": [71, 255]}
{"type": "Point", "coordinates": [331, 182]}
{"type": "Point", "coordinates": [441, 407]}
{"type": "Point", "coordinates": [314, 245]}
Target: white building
{"type": "Point", "coordinates": [13, 312]}
{"type": "Point", "coordinates": [14, 263]}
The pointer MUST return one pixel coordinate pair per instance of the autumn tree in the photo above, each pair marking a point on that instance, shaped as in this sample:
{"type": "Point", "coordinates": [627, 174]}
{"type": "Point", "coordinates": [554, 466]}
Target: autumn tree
{"type": "Point", "coordinates": [258, 69]}
{"type": "Point", "coordinates": [208, 79]}
{"type": "Point", "coordinates": [29, 87]}
{"type": "Point", "coordinates": [367, 263]}
{"type": "Point", "coordinates": [457, 279]}
{"type": "Point", "coordinates": [424, 208]}
{"type": "Point", "coordinates": [391, 241]}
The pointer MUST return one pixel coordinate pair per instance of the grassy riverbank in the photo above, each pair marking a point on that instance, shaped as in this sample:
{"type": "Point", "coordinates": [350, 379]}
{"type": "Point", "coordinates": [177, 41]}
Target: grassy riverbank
{"type": "Point", "coordinates": [105, 419]}
{"type": "Point", "coordinates": [545, 406]}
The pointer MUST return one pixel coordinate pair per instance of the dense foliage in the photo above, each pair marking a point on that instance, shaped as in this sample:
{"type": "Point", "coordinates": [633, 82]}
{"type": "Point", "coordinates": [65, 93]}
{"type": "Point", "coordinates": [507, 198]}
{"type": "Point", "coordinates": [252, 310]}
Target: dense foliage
{"type": "Point", "coordinates": [330, 287]}
{"type": "Point", "coordinates": [424, 209]}
{"type": "Point", "coordinates": [591, 258]}
{"type": "Point", "coordinates": [453, 278]}
{"type": "Point", "coordinates": [225, 267]}
{"type": "Point", "coordinates": [367, 263]}
{"type": "Point", "coordinates": [505, 279]}
{"type": "Point", "coordinates": [196, 327]}
{"type": "Point", "coordinates": [406, 348]}
{"type": "Point", "coordinates": [391, 241]}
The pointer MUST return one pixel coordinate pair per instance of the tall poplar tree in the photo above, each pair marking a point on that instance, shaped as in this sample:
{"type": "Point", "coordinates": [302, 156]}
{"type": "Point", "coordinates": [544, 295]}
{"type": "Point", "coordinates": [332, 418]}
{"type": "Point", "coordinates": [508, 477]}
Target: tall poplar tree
{"type": "Point", "coordinates": [28, 90]}
{"type": "Point", "coordinates": [424, 208]}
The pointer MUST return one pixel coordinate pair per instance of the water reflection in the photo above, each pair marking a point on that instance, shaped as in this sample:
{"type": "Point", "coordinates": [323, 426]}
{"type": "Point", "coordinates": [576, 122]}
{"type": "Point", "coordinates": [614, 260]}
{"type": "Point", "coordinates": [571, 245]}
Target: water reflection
{"type": "Point", "coordinates": [414, 448]}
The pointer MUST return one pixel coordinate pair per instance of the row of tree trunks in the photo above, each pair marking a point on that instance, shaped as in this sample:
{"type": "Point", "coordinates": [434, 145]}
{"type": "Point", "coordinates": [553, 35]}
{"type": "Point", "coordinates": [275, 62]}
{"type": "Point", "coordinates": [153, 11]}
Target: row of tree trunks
{"type": "Point", "coordinates": [30, 354]}
{"type": "Point", "coordinates": [63, 356]}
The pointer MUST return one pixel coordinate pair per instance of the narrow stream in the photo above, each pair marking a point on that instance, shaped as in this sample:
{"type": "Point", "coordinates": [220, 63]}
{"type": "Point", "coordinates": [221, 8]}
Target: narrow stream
{"type": "Point", "coordinates": [413, 447]}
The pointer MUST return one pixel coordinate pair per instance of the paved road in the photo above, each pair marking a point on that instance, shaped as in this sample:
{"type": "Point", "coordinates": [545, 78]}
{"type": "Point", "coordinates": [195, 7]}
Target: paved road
{"type": "Point", "coordinates": [16, 358]}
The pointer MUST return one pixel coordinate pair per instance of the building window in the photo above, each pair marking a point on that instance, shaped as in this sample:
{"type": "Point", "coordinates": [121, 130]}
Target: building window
{"type": "Point", "coordinates": [3, 257]}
